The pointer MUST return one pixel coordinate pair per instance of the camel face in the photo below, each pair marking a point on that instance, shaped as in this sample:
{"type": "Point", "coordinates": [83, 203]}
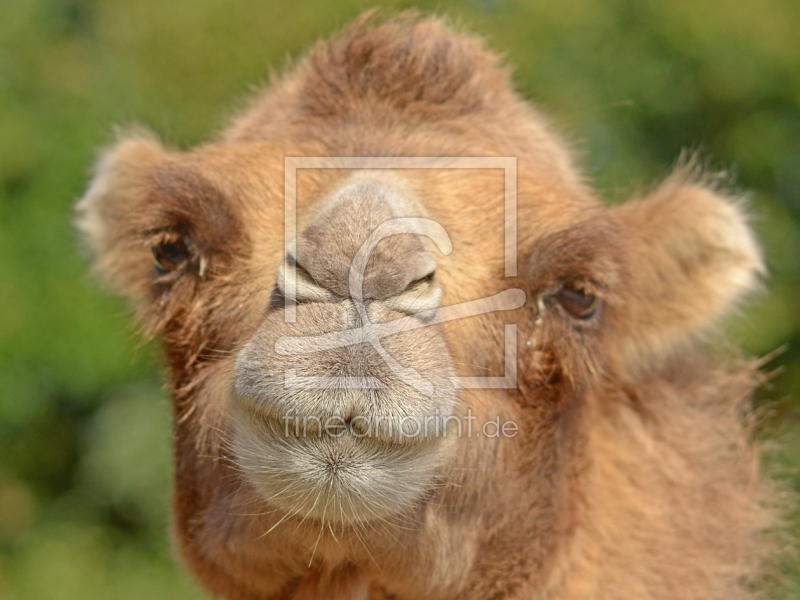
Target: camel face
{"type": "Point", "coordinates": [370, 402]}
{"type": "Point", "coordinates": [333, 418]}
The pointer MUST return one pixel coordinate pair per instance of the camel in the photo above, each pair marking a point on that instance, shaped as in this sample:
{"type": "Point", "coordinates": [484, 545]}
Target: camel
{"type": "Point", "coordinates": [448, 370]}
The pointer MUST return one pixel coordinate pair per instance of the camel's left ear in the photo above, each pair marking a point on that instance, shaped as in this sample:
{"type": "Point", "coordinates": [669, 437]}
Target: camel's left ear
{"type": "Point", "coordinates": [691, 256]}
{"type": "Point", "coordinates": [122, 181]}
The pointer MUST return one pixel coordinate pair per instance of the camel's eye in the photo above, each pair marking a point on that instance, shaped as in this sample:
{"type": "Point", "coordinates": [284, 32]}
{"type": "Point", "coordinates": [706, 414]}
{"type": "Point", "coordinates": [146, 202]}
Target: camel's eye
{"type": "Point", "coordinates": [578, 302]}
{"type": "Point", "coordinates": [170, 255]}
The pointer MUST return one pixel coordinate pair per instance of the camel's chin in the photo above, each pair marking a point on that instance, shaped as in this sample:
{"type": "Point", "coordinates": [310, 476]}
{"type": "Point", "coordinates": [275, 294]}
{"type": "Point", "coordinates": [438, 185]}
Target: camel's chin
{"type": "Point", "coordinates": [341, 478]}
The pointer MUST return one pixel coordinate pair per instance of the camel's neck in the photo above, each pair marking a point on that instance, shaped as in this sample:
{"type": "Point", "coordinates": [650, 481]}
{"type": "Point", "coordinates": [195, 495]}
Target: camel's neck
{"type": "Point", "coordinates": [671, 502]}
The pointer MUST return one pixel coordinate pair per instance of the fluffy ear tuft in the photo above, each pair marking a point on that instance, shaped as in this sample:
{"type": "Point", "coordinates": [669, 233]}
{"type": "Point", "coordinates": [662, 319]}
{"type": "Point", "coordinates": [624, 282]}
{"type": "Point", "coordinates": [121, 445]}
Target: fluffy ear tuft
{"type": "Point", "coordinates": [121, 181]}
{"type": "Point", "coordinates": [692, 255]}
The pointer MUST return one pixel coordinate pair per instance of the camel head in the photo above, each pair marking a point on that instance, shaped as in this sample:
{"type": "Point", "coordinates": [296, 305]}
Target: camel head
{"type": "Point", "coordinates": [412, 355]}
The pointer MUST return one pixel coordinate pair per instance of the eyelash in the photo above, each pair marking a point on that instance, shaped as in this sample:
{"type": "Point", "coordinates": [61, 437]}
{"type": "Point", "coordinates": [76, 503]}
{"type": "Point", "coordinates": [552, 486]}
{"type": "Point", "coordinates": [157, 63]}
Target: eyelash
{"type": "Point", "coordinates": [170, 255]}
{"type": "Point", "coordinates": [579, 303]}
{"type": "Point", "coordinates": [173, 253]}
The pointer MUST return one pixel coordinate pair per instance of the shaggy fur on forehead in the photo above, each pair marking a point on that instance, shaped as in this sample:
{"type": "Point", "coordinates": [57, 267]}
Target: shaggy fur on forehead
{"type": "Point", "coordinates": [407, 65]}
{"type": "Point", "coordinates": [406, 73]}
{"type": "Point", "coordinates": [633, 473]}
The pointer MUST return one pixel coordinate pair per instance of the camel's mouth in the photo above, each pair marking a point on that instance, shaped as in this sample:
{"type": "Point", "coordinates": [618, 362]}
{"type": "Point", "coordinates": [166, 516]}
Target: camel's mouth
{"type": "Point", "coordinates": [349, 432]}
{"type": "Point", "coordinates": [334, 473]}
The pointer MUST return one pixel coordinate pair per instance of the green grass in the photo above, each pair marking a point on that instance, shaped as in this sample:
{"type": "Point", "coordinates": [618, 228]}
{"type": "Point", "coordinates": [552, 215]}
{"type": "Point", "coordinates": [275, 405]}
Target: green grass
{"type": "Point", "coordinates": [84, 456]}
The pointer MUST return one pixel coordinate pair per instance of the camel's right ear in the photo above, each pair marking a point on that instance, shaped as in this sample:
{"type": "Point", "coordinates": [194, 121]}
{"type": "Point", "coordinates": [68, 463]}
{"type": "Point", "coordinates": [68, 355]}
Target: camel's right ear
{"type": "Point", "coordinates": [692, 255]}
{"type": "Point", "coordinates": [122, 181]}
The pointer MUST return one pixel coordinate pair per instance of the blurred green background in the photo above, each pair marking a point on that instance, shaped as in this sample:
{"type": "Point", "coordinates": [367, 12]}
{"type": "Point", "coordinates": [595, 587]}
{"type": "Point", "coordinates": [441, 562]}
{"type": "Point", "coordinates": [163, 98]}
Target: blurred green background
{"type": "Point", "coordinates": [84, 425]}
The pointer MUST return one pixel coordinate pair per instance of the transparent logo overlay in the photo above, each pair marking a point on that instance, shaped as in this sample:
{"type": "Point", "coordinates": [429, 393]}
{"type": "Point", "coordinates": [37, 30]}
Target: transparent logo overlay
{"type": "Point", "coordinates": [373, 333]}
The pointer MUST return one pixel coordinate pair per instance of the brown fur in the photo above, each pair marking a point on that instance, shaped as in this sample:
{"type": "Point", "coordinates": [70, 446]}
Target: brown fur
{"type": "Point", "coordinates": [633, 475]}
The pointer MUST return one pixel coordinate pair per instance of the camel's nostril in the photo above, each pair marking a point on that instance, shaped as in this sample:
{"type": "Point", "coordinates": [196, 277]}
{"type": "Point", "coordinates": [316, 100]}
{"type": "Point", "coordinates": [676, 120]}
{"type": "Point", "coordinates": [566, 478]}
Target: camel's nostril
{"type": "Point", "coordinates": [421, 297]}
{"type": "Point", "coordinates": [422, 281]}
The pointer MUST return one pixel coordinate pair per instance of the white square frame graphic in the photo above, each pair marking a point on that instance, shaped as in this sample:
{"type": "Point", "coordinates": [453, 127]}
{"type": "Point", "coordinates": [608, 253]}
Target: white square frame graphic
{"type": "Point", "coordinates": [509, 166]}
